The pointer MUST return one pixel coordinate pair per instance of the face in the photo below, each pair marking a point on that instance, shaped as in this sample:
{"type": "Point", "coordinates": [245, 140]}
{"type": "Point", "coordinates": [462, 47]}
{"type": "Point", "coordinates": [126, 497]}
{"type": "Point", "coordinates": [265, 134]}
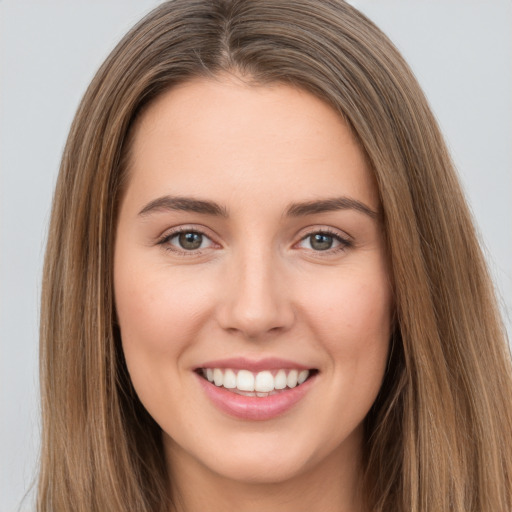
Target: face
{"type": "Point", "coordinates": [251, 282]}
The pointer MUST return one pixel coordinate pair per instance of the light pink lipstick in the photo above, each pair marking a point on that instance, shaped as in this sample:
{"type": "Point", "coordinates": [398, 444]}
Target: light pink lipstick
{"type": "Point", "coordinates": [255, 408]}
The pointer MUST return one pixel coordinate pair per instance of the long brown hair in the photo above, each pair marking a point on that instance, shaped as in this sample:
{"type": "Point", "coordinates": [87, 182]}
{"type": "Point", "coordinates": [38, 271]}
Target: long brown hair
{"type": "Point", "coordinates": [439, 436]}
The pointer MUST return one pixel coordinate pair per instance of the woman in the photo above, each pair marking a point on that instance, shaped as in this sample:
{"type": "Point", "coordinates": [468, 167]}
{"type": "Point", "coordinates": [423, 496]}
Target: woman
{"type": "Point", "coordinates": [262, 286]}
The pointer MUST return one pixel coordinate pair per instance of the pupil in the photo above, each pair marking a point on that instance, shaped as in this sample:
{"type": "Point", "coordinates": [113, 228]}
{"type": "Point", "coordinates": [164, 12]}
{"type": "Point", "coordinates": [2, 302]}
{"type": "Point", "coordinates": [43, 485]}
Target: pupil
{"type": "Point", "coordinates": [321, 242]}
{"type": "Point", "coordinates": [190, 241]}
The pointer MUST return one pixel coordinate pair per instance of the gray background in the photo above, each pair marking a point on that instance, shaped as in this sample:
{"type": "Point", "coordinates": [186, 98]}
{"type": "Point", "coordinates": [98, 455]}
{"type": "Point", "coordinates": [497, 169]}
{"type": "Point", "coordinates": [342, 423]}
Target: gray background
{"type": "Point", "coordinates": [461, 51]}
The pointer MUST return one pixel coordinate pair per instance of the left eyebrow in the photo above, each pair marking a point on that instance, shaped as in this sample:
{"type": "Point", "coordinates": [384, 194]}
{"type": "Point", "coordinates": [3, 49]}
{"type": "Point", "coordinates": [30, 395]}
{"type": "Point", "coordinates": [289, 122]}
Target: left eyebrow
{"type": "Point", "coordinates": [329, 205]}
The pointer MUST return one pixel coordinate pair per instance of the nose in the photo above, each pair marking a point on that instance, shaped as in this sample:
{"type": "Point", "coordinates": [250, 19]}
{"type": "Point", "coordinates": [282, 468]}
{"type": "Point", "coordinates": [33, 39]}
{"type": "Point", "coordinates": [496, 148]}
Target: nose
{"type": "Point", "coordinates": [256, 299]}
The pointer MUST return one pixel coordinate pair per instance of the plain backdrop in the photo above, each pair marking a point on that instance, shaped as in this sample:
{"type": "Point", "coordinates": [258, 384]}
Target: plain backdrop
{"type": "Point", "coordinates": [460, 50]}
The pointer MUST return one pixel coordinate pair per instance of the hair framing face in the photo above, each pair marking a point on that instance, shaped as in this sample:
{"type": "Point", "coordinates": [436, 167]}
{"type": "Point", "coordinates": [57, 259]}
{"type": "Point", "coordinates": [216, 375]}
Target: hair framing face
{"type": "Point", "coordinates": [436, 437]}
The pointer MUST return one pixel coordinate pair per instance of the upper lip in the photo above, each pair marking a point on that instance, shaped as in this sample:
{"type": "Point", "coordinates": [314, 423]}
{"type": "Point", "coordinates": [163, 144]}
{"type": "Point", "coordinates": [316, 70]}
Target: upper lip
{"type": "Point", "coordinates": [242, 363]}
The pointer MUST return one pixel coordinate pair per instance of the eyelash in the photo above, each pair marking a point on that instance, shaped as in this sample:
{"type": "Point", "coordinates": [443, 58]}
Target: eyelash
{"type": "Point", "coordinates": [164, 241]}
{"type": "Point", "coordinates": [344, 243]}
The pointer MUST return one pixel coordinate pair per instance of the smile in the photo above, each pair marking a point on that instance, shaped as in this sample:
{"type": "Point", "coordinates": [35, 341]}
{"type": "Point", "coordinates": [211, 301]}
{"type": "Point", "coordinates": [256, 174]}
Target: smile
{"type": "Point", "coordinates": [249, 390]}
{"type": "Point", "coordinates": [260, 384]}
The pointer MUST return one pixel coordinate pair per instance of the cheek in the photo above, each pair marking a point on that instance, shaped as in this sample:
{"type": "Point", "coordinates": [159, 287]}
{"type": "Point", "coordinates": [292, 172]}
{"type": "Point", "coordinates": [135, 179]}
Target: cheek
{"type": "Point", "coordinates": [351, 318]}
{"type": "Point", "coordinates": [156, 309]}
{"type": "Point", "coordinates": [159, 316]}
{"type": "Point", "coordinates": [350, 321]}
{"type": "Point", "coordinates": [352, 308]}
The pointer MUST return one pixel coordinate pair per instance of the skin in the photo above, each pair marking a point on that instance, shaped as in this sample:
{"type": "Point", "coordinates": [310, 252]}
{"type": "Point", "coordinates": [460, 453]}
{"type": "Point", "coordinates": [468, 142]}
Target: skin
{"type": "Point", "coordinates": [258, 287]}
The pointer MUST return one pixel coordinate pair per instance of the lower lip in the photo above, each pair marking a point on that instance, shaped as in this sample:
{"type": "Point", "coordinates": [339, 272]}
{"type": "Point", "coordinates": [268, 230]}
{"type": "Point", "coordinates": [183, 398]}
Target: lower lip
{"type": "Point", "coordinates": [252, 407]}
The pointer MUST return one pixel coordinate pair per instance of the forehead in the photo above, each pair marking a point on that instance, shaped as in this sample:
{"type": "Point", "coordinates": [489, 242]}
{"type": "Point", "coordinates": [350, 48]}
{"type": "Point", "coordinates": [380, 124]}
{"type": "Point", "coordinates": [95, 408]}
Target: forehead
{"type": "Point", "coordinates": [223, 136]}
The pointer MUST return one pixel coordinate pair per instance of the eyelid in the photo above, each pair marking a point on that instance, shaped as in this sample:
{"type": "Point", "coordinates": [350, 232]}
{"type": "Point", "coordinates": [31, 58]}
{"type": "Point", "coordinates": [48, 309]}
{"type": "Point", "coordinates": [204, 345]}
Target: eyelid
{"type": "Point", "coordinates": [170, 233]}
{"type": "Point", "coordinates": [344, 239]}
{"type": "Point", "coordinates": [322, 228]}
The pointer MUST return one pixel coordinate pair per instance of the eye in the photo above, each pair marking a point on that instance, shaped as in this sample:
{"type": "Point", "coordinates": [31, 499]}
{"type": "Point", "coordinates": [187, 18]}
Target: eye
{"type": "Point", "coordinates": [321, 241]}
{"type": "Point", "coordinates": [186, 241]}
{"type": "Point", "coordinates": [324, 241]}
{"type": "Point", "coordinates": [189, 241]}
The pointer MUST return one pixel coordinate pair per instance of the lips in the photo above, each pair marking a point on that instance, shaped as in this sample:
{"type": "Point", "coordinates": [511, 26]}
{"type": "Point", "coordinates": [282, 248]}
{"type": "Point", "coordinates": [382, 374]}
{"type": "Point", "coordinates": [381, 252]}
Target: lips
{"type": "Point", "coordinates": [255, 390]}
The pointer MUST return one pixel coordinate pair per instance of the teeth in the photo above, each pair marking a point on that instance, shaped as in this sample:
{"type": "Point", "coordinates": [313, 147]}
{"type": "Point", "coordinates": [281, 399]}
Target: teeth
{"type": "Point", "coordinates": [255, 384]}
{"type": "Point", "coordinates": [280, 380]}
{"type": "Point", "coordinates": [264, 382]}
{"type": "Point", "coordinates": [229, 379]}
{"type": "Point", "coordinates": [218, 377]}
{"type": "Point", "coordinates": [291, 380]}
{"type": "Point", "coordinates": [303, 375]}
{"type": "Point", "coordinates": [245, 381]}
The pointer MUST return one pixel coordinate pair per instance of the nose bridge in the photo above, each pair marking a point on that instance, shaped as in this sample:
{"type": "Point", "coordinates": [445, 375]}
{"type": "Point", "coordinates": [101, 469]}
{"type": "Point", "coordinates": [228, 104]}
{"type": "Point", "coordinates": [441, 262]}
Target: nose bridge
{"type": "Point", "coordinates": [257, 301]}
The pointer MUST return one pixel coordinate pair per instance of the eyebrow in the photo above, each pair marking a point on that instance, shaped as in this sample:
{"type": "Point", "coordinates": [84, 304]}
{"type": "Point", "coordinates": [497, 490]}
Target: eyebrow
{"type": "Point", "coordinates": [206, 207]}
{"type": "Point", "coordinates": [329, 205]}
{"type": "Point", "coordinates": [184, 204]}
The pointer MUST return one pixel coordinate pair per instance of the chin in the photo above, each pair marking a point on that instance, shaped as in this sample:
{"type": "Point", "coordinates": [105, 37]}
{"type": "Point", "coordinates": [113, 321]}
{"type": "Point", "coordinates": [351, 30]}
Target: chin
{"type": "Point", "coordinates": [265, 458]}
{"type": "Point", "coordinates": [262, 459]}
{"type": "Point", "coordinates": [262, 468]}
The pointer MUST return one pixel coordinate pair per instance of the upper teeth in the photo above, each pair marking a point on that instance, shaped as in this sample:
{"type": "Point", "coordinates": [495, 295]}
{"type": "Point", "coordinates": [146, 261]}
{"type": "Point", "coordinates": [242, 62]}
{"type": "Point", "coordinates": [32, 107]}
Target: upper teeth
{"type": "Point", "coordinates": [263, 382]}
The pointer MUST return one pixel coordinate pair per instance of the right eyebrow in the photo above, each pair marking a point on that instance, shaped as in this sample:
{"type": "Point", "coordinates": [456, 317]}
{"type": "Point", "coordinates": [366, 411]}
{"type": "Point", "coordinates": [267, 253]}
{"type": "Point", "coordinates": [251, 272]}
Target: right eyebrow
{"type": "Point", "coordinates": [186, 204]}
